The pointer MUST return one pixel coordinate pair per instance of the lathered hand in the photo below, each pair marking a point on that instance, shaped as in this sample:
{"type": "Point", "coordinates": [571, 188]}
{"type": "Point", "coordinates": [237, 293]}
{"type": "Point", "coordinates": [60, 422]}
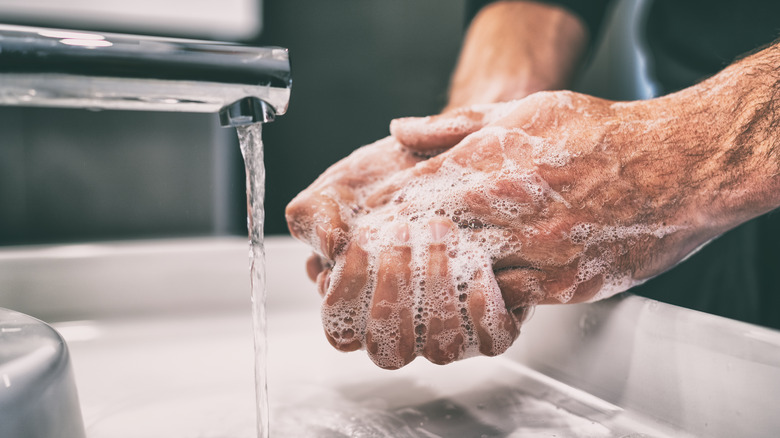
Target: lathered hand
{"type": "Point", "coordinates": [324, 213]}
{"type": "Point", "coordinates": [556, 198]}
{"type": "Point", "coordinates": [545, 205]}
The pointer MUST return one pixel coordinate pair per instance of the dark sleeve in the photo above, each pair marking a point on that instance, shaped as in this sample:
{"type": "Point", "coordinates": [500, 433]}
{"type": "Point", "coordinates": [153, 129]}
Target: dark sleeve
{"type": "Point", "coordinates": [591, 12]}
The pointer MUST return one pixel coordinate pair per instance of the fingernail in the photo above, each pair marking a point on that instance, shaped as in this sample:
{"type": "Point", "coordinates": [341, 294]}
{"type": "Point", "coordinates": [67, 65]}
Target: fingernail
{"type": "Point", "coordinates": [401, 232]}
{"type": "Point", "coordinates": [322, 234]}
{"type": "Point", "coordinates": [439, 229]}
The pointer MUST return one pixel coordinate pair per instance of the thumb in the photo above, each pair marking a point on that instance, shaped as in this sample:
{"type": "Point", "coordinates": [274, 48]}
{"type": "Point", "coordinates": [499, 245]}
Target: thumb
{"type": "Point", "coordinates": [432, 134]}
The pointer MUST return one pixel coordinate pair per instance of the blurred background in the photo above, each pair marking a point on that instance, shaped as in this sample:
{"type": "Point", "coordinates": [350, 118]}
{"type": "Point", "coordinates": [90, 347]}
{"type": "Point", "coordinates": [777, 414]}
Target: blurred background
{"type": "Point", "coordinates": [78, 175]}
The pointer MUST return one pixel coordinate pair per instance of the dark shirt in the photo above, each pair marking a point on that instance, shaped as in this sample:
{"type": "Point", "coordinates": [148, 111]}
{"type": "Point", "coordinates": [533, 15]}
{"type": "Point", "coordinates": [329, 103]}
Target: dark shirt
{"type": "Point", "coordinates": [738, 274]}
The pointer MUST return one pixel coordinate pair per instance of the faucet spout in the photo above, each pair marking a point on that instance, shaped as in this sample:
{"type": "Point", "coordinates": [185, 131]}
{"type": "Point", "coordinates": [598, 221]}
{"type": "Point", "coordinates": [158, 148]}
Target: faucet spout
{"type": "Point", "coordinates": [63, 68]}
{"type": "Point", "coordinates": [247, 111]}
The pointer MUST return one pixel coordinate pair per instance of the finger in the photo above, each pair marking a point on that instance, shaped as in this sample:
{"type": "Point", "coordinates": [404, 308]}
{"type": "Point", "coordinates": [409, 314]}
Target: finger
{"type": "Point", "coordinates": [321, 215]}
{"type": "Point", "coordinates": [573, 282]}
{"type": "Point", "coordinates": [432, 134]}
{"type": "Point", "coordinates": [314, 265]}
{"type": "Point", "coordinates": [343, 309]}
{"type": "Point", "coordinates": [440, 328]}
{"type": "Point", "coordinates": [390, 337]}
{"type": "Point", "coordinates": [520, 287]}
{"type": "Point", "coordinates": [495, 328]}
{"type": "Point", "coordinates": [485, 208]}
{"type": "Point", "coordinates": [588, 290]}
{"type": "Point", "coordinates": [524, 284]}
{"type": "Point", "coordinates": [521, 291]}
{"type": "Point", "coordinates": [392, 188]}
{"type": "Point", "coordinates": [525, 287]}
{"type": "Point", "coordinates": [387, 193]}
{"type": "Point", "coordinates": [323, 282]}
{"type": "Point", "coordinates": [436, 133]}
{"type": "Point", "coordinates": [315, 218]}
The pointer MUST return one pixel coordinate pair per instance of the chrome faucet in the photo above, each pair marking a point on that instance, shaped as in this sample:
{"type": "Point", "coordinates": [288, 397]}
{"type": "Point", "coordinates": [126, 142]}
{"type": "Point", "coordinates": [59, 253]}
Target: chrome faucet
{"type": "Point", "coordinates": [65, 68]}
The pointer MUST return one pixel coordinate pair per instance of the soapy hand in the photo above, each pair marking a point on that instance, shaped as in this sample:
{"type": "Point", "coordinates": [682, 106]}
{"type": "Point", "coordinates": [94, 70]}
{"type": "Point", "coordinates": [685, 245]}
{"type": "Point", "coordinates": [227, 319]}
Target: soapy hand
{"type": "Point", "coordinates": [555, 198]}
{"type": "Point", "coordinates": [322, 215]}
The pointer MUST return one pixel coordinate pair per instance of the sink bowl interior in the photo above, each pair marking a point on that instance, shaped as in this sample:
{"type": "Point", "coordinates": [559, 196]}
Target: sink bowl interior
{"type": "Point", "coordinates": [161, 341]}
{"type": "Point", "coordinates": [192, 377]}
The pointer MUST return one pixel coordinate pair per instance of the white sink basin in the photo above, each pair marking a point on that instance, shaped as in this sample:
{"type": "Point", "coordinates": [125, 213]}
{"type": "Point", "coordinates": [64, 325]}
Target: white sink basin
{"type": "Point", "coordinates": [193, 378]}
{"type": "Point", "coordinates": [161, 342]}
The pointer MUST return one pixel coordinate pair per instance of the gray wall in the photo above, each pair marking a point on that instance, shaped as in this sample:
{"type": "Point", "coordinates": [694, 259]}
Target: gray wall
{"type": "Point", "coordinates": [73, 175]}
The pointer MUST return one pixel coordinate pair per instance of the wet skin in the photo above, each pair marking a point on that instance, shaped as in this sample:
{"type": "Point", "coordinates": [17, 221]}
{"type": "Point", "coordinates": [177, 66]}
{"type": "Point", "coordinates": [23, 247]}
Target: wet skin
{"type": "Point", "coordinates": [436, 242]}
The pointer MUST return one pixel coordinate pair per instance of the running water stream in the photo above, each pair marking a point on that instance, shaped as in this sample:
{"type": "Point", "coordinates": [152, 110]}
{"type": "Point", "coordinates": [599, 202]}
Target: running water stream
{"type": "Point", "coordinates": [251, 142]}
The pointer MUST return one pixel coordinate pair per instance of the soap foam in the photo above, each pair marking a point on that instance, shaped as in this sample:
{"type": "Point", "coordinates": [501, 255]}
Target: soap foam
{"type": "Point", "coordinates": [591, 235]}
{"type": "Point", "coordinates": [471, 246]}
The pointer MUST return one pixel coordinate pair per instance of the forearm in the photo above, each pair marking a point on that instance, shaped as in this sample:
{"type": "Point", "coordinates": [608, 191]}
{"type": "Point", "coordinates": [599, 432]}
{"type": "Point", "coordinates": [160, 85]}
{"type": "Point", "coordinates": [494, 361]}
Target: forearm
{"type": "Point", "coordinates": [744, 101]}
{"type": "Point", "coordinates": [516, 48]}
{"type": "Point", "coordinates": [711, 151]}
